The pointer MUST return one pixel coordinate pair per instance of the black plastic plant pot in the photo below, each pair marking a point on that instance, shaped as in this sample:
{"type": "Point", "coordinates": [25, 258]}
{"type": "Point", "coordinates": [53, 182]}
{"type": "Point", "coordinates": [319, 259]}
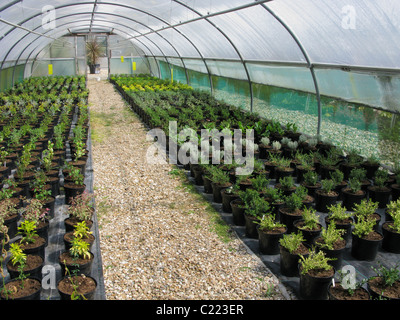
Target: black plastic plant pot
{"type": "Point", "coordinates": [227, 198]}
{"type": "Point", "coordinates": [308, 235]}
{"type": "Point", "coordinates": [34, 273]}
{"type": "Point", "coordinates": [350, 199]}
{"type": "Point", "coordinates": [269, 241]}
{"type": "Point", "coordinates": [81, 268]}
{"type": "Point", "coordinates": [288, 219]}
{"type": "Point", "coordinates": [382, 197]}
{"type": "Point", "coordinates": [289, 263]}
{"type": "Point", "coordinates": [391, 239]}
{"type": "Point", "coordinates": [207, 185]}
{"type": "Point", "coordinates": [238, 212]}
{"type": "Point", "coordinates": [12, 225]}
{"type": "Point", "coordinates": [364, 249]}
{"type": "Point", "coordinates": [344, 226]}
{"type": "Point", "coordinates": [68, 296]}
{"type": "Point", "coordinates": [336, 254]}
{"type": "Point", "coordinates": [33, 296]}
{"type": "Point", "coordinates": [38, 250]}
{"type": "Point", "coordinates": [251, 226]}
{"type": "Point", "coordinates": [324, 201]}
{"type": "Point", "coordinates": [217, 188]}
{"type": "Point", "coordinates": [72, 190]}
{"type": "Point", "coordinates": [314, 288]}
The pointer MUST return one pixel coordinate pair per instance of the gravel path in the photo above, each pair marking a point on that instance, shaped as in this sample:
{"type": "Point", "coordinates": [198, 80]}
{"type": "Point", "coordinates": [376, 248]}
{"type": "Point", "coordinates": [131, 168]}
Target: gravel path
{"type": "Point", "coordinates": [156, 237]}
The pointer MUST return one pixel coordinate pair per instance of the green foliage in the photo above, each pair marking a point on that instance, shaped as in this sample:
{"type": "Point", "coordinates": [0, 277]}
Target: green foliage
{"type": "Point", "coordinates": [310, 219]}
{"type": "Point", "coordinates": [293, 202]}
{"type": "Point", "coordinates": [302, 192]}
{"type": "Point", "coordinates": [79, 248]}
{"type": "Point", "coordinates": [27, 229]}
{"type": "Point", "coordinates": [81, 230]}
{"type": "Point", "coordinates": [218, 176]}
{"type": "Point", "coordinates": [337, 176]}
{"type": "Point", "coordinates": [363, 227]}
{"type": "Point", "coordinates": [258, 207]}
{"type": "Point", "coordinates": [338, 212]}
{"type": "Point", "coordinates": [268, 223]}
{"type": "Point", "coordinates": [389, 275]}
{"type": "Point", "coordinates": [287, 182]}
{"type": "Point", "coordinates": [310, 178]}
{"type": "Point", "coordinates": [315, 261]}
{"type": "Point", "coordinates": [330, 236]}
{"type": "Point", "coordinates": [327, 185]}
{"type": "Point", "coordinates": [260, 183]}
{"type": "Point", "coordinates": [292, 241]}
{"type": "Point", "coordinates": [359, 173]}
{"type": "Point", "coordinates": [366, 208]}
{"type": "Point", "coordinates": [18, 257]}
{"type": "Point", "coordinates": [354, 185]}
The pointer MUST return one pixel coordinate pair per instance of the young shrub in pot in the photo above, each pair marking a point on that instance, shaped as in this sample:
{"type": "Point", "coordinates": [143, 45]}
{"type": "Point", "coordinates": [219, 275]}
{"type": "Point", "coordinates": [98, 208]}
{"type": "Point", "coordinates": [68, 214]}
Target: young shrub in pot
{"type": "Point", "coordinates": [315, 276]}
{"type": "Point", "coordinates": [269, 234]}
{"type": "Point", "coordinates": [291, 246]}
{"type": "Point", "coordinates": [365, 240]}
{"type": "Point", "coordinates": [308, 225]}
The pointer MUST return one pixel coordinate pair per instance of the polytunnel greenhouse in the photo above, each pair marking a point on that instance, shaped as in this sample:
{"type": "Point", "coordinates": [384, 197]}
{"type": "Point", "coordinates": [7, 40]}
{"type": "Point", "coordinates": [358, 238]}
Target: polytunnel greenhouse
{"type": "Point", "coordinates": [200, 150]}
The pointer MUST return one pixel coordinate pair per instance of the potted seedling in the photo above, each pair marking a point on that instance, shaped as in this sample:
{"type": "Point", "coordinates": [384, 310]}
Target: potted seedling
{"type": "Point", "coordinates": [82, 231]}
{"type": "Point", "coordinates": [311, 182]}
{"type": "Point", "coordinates": [353, 161]}
{"type": "Point", "coordinates": [35, 211]}
{"type": "Point", "coordinates": [331, 242]}
{"type": "Point", "coordinates": [269, 233]}
{"type": "Point", "coordinates": [219, 180]}
{"type": "Point", "coordinates": [326, 196]}
{"type": "Point", "coordinates": [10, 216]}
{"type": "Point", "coordinates": [308, 225]}
{"type": "Point", "coordinates": [304, 164]}
{"type": "Point", "coordinates": [31, 242]}
{"type": "Point", "coordinates": [291, 247]}
{"type": "Point", "coordinates": [371, 165]}
{"type": "Point", "coordinates": [43, 192]}
{"type": "Point", "coordinates": [379, 192]}
{"type": "Point", "coordinates": [76, 186]}
{"type": "Point", "coordinates": [385, 284]}
{"type": "Point", "coordinates": [80, 209]}
{"type": "Point", "coordinates": [367, 209]}
{"type": "Point", "coordinates": [337, 177]}
{"type": "Point", "coordinates": [275, 198]}
{"type": "Point", "coordinates": [347, 289]}
{"type": "Point", "coordinates": [365, 240]}
{"type": "Point", "coordinates": [228, 195]}
{"type": "Point", "coordinates": [74, 286]}
{"type": "Point", "coordinates": [287, 185]}
{"type": "Point", "coordinates": [361, 175]}
{"type": "Point", "coordinates": [77, 257]}
{"type": "Point", "coordinates": [283, 168]}
{"type": "Point", "coordinates": [302, 192]}
{"type": "Point", "coordinates": [28, 264]}
{"type": "Point", "coordinates": [391, 233]}
{"type": "Point", "coordinates": [316, 273]}
{"type": "Point", "coordinates": [291, 211]}
{"type": "Point", "coordinates": [254, 211]}
{"type": "Point", "coordinates": [352, 194]}
{"type": "Point", "coordinates": [328, 163]}
{"type": "Point", "coordinates": [342, 219]}
{"type": "Point", "coordinates": [315, 276]}
{"type": "Point", "coordinates": [21, 287]}
{"type": "Point", "coordinates": [264, 147]}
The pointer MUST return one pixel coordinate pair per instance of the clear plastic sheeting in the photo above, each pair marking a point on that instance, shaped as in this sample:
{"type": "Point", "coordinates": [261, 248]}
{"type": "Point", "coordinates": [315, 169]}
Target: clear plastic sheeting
{"type": "Point", "coordinates": [333, 67]}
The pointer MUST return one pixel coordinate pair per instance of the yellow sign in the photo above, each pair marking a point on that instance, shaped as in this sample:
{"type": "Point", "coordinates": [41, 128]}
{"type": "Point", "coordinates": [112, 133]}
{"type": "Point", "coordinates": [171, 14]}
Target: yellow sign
{"type": "Point", "coordinates": [133, 65]}
{"type": "Point", "coordinates": [122, 58]}
{"type": "Point", "coordinates": [50, 69]}
{"type": "Point", "coordinates": [172, 75]}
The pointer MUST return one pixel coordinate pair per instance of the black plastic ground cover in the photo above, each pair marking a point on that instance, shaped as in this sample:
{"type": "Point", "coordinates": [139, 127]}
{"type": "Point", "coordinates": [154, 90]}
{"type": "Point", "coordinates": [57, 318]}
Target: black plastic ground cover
{"type": "Point", "coordinates": [56, 243]}
{"type": "Point", "coordinates": [272, 262]}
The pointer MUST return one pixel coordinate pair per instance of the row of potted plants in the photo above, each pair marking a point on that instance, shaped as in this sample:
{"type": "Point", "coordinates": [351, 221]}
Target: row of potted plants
{"type": "Point", "coordinates": [292, 175]}
{"type": "Point", "coordinates": [38, 117]}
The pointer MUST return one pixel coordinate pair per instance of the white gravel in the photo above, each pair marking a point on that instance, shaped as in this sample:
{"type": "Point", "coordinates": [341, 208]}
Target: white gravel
{"type": "Point", "coordinates": [156, 238]}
